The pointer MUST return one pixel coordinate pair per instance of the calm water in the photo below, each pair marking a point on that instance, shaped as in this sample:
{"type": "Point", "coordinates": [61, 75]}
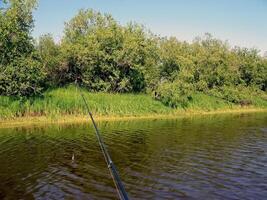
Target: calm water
{"type": "Point", "coordinates": [209, 157]}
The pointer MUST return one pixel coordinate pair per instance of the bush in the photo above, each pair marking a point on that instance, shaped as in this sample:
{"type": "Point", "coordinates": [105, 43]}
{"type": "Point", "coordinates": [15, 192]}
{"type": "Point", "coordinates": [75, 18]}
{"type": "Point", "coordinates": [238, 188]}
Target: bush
{"type": "Point", "coordinates": [175, 93]}
{"type": "Point", "coordinates": [23, 77]}
{"type": "Point", "coordinates": [239, 95]}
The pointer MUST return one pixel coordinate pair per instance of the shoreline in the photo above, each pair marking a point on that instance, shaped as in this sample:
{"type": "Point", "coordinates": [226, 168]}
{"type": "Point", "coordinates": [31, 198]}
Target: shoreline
{"type": "Point", "coordinates": [76, 119]}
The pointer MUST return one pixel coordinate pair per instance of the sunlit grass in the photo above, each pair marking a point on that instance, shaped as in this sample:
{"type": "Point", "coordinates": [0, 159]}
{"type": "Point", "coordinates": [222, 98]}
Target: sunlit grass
{"type": "Point", "coordinates": [68, 102]}
{"type": "Point", "coordinates": [208, 103]}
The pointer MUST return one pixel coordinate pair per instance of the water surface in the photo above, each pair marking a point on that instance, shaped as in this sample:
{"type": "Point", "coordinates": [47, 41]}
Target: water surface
{"type": "Point", "coordinates": [208, 157]}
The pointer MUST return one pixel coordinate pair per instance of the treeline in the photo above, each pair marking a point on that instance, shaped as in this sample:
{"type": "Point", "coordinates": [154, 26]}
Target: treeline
{"type": "Point", "coordinates": [99, 54]}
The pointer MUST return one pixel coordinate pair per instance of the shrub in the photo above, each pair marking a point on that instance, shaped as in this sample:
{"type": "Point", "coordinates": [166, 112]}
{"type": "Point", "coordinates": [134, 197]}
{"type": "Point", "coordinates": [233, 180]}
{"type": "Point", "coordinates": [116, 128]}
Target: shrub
{"type": "Point", "coordinates": [23, 77]}
{"type": "Point", "coordinates": [239, 94]}
{"type": "Point", "coordinates": [175, 93]}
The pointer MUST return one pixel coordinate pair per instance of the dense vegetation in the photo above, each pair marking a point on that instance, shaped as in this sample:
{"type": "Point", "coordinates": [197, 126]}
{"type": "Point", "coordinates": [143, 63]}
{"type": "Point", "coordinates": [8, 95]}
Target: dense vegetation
{"type": "Point", "coordinates": [21, 72]}
{"type": "Point", "coordinates": [101, 55]}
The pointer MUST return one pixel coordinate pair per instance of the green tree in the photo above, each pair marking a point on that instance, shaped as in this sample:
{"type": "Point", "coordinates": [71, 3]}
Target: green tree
{"type": "Point", "coordinates": [252, 67]}
{"type": "Point", "coordinates": [51, 59]}
{"type": "Point", "coordinates": [208, 65]}
{"type": "Point", "coordinates": [20, 69]}
{"type": "Point", "coordinates": [105, 56]}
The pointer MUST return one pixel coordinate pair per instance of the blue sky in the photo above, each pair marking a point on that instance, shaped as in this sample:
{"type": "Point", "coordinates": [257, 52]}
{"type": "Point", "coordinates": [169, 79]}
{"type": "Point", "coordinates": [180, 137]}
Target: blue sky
{"type": "Point", "coordinates": [241, 22]}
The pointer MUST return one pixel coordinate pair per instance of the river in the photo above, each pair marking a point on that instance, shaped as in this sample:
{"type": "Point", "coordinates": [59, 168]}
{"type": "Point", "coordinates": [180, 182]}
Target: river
{"type": "Point", "coordinates": [204, 157]}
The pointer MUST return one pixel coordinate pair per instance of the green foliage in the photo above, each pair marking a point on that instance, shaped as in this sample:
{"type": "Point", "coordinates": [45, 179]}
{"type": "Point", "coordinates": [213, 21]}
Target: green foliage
{"type": "Point", "coordinates": [51, 59]}
{"type": "Point", "coordinates": [175, 93]}
{"type": "Point", "coordinates": [213, 68]}
{"type": "Point", "coordinates": [22, 77]}
{"type": "Point", "coordinates": [102, 55]}
{"type": "Point", "coordinates": [16, 24]}
{"type": "Point", "coordinates": [174, 58]}
{"type": "Point", "coordinates": [253, 69]}
{"type": "Point", "coordinates": [239, 94]}
{"type": "Point", "coordinates": [20, 69]}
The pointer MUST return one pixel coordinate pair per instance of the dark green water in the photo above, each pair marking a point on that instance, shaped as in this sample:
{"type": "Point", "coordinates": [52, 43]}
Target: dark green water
{"type": "Point", "coordinates": [208, 157]}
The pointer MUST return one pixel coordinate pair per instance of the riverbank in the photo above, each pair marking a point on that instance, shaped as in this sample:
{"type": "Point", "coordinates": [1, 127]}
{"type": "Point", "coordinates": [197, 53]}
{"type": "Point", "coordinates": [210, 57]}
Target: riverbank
{"type": "Point", "coordinates": [72, 119]}
{"type": "Point", "coordinates": [64, 105]}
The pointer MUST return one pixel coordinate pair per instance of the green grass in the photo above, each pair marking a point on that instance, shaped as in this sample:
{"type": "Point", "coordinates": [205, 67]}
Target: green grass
{"type": "Point", "coordinates": [67, 101]}
{"type": "Point", "coordinates": [205, 102]}
{"type": "Point", "coordinates": [208, 103]}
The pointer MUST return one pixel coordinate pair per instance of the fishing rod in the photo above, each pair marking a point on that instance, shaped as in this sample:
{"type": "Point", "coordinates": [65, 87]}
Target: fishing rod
{"type": "Point", "coordinates": [111, 166]}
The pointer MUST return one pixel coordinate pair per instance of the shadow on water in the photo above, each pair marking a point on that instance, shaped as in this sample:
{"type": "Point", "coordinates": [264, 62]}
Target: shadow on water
{"type": "Point", "coordinates": [204, 157]}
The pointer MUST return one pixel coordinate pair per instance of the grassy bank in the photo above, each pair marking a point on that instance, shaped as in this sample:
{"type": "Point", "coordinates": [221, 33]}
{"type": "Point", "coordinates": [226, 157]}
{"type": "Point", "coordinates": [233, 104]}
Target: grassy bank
{"type": "Point", "coordinates": [66, 103]}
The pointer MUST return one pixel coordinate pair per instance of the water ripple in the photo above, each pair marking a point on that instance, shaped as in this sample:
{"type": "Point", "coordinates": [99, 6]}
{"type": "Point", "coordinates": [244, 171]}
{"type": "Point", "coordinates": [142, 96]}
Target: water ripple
{"type": "Point", "coordinates": [198, 158]}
